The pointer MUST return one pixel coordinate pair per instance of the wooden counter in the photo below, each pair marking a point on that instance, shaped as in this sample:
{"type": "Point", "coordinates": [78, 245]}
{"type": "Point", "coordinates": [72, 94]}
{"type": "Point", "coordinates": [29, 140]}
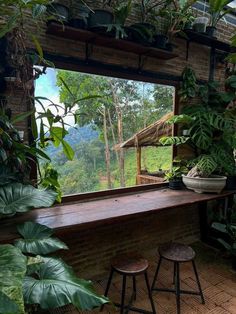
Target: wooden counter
{"type": "Point", "coordinates": [84, 215]}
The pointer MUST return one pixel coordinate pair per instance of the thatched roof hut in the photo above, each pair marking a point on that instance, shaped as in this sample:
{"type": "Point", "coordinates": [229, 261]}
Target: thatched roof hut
{"type": "Point", "coordinates": [148, 136]}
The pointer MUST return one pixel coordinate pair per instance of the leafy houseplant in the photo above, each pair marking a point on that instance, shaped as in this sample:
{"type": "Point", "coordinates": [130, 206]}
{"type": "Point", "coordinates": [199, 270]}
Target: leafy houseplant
{"type": "Point", "coordinates": [212, 132]}
{"type": "Point", "coordinates": [121, 12]}
{"type": "Point", "coordinates": [144, 31]}
{"type": "Point", "coordinates": [175, 15]}
{"type": "Point", "coordinates": [35, 279]}
{"type": "Point", "coordinates": [217, 10]}
{"type": "Point", "coordinates": [174, 176]}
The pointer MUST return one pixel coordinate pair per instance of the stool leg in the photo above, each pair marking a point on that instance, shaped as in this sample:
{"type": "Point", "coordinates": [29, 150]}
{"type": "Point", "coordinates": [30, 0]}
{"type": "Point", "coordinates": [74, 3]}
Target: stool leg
{"type": "Point", "coordinates": [123, 295]}
{"type": "Point", "coordinates": [108, 286]}
{"type": "Point", "coordinates": [149, 293]}
{"type": "Point", "coordinates": [198, 282]}
{"type": "Point", "coordinates": [174, 275]}
{"type": "Point", "coordinates": [156, 273]}
{"type": "Point", "coordinates": [177, 287]}
{"type": "Point", "coordinates": [134, 287]}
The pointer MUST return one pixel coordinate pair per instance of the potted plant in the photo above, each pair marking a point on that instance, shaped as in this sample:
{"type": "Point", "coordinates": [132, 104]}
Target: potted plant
{"type": "Point", "coordinates": [79, 14]}
{"type": "Point", "coordinates": [174, 177]}
{"type": "Point", "coordinates": [211, 137]}
{"type": "Point", "coordinates": [121, 12]}
{"type": "Point", "coordinates": [101, 17]}
{"type": "Point", "coordinates": [172, 19]}
{"type": "Point", "coordinates": [143, 31]}
{"type": "Point", "coordinates": [217, 10]}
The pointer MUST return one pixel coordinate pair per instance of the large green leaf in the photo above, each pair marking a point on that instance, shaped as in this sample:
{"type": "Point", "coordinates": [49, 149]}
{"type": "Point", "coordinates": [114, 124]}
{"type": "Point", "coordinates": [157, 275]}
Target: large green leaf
{"type": "Point", "coordinates": [7, 306]}
{"type": "Point", "coordinates": [55, 285]}
{"type": "Point", "coordinates": [12, 271]}
{"type": "Point", "coordinates": [37, 239]}
{"type": "Point", "coordinates": [16, 197]}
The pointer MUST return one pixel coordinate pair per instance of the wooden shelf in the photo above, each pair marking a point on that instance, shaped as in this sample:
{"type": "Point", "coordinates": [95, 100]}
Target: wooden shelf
{"type": "Point", "coordinates": [205, 40]}
{"type": "Point", "coordinates": [106, 41]}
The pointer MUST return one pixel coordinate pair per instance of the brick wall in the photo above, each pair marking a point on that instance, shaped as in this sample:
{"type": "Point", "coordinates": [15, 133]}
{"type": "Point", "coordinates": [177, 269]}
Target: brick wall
{"type": "Point", "coordinates": [91, 250]}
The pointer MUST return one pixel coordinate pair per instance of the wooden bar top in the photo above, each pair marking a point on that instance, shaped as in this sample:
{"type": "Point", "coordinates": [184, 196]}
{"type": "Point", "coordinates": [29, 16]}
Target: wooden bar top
{"type": "Point", "coordinates": [84, 215]}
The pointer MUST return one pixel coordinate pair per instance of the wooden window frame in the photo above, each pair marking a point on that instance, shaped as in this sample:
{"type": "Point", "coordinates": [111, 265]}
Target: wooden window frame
{"type": "Point", "coordinates": [70, 64]}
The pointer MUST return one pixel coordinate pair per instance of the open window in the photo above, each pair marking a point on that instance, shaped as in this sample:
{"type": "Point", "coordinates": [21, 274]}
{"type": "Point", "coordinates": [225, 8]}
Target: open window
{"type": "Point", "coordinates": [116, 133]}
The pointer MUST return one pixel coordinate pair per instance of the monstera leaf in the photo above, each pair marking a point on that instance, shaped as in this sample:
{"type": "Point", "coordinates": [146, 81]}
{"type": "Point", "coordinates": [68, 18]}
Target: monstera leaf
{"type": "Point", "coordinates": [54, 285]}
{"type": "Point", "coordinates": [16, 197]}
{"type": "Point", "coordinates": [12, 272]}
{"type": "Point", "coordinates": [37, 239]}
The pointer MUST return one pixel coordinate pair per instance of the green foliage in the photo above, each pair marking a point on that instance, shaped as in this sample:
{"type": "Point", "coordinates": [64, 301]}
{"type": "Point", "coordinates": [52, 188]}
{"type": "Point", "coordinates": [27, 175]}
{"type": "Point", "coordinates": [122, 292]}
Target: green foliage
{"type": "Point", "coordinates": [175, 174]}
{"type": "Point", "coordinates": [50, 180]}
{"type": "Point", "coordinates": [121, 12]}
{"type": "Point", "coordinates": [54, 285]}
{"type": "Point", "coordinates": [173, 140]}
{"type": "Point", "coordinates": [12, 272]}
{"type": "Point", "coordinates": [12, 12]}
{"type": "Point", "coordinates": [47, 282]}
{"type": "Point", "coordinates": [19, 198]}
{"type": "Point", "coordinates": [217, 10]}
{"type": "Point", "coordinates": [37, 239]}
{"type": "Point", "coordinates": [15, 156]}
{"type": "Point", "coordinates": [205, 165]}
{"type": "Point", "coordinates": [188, 87]}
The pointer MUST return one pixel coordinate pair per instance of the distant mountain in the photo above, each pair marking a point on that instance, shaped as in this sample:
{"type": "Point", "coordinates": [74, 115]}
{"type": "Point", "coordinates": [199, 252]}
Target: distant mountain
{"type": "Point", "coordinates": [75, 136]}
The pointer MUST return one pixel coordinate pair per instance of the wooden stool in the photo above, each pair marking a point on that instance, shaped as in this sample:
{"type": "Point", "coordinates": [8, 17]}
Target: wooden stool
{"type": "Point", "coordinates": [177, 253]}
{"type": "Point", "coordinates": [130, 265]}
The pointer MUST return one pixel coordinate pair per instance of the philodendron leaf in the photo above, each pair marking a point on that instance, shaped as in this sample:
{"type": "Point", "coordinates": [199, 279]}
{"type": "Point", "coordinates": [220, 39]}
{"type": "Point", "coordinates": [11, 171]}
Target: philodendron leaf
{"type": "Point", "coordinates": [55, 285]}
{"type": "Point", "coordinates": [37, 239]}
{"type": "Point", "coordinates": [7, 306]}
{"type": "Point", "coordinates": [16, 197]}
{"type": "Point", "coordinates": [12, 272]}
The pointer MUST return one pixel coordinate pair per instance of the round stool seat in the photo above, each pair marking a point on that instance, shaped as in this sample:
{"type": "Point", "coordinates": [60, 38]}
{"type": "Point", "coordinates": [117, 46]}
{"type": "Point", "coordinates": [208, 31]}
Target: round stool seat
{"type": "Point", "coordinates": [129, 264]}
{"type": "Point", "coordinates": [176, 252]}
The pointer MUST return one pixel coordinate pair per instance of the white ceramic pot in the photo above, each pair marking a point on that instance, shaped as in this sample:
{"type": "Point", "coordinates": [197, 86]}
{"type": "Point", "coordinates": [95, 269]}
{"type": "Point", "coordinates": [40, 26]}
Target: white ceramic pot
{"type": "Point", "coordinates": [213, 184]}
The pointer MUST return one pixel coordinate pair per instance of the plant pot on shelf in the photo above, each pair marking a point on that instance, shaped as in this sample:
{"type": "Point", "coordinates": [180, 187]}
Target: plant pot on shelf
{"type": "Point", "coordinates": [213, 184]}
{"type": "Point", "coordinates": [80, 19]}
{"type": "Point", "coordinates": [59, 11]}
{"type": "Point", "coordinates": [231, 183]}
{"type": "Point", "coordinates": [211, 31]}
{"type": "Point", "coordinates": [200, 24]}
{"type": "Point", "coordinates": [100, 18]}
{"type": "Point", "coordinates": [176, 184]}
